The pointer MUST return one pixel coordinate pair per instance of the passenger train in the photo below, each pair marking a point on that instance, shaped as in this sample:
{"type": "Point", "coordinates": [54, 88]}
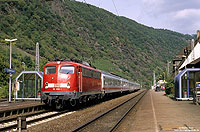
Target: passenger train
{"type": "Point", "coordinates": [68, 82]}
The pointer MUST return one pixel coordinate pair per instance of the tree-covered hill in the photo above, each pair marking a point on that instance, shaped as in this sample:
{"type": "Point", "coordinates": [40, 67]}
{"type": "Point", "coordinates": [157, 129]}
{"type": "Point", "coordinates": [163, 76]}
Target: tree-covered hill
{"type": "Point", "coordinates": [70, 29]}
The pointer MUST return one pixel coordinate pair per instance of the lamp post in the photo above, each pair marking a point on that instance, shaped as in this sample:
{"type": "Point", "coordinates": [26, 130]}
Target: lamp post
{"type": "Point", "coordinates": [168, 62]}
{"type": "Point", "coordinates": [164, 76]}
{"type": "Point", "coordinates": [10, 40]}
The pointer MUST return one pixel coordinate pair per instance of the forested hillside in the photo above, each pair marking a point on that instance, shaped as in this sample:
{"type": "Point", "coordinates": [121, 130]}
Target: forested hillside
{"type": "Point", "coordinates": [70, 29]}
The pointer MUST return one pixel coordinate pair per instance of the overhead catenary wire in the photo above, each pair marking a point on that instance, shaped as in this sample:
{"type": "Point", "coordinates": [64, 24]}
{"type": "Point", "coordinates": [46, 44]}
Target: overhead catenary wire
{"type": "Point", "coordinates": [115, 8]}
{"type": "Point", "coordinates": [100, 18]}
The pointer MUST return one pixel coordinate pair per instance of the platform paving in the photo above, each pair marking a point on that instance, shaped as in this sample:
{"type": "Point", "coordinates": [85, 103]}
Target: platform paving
{"type": "Point", "coordinates": [158, 113]}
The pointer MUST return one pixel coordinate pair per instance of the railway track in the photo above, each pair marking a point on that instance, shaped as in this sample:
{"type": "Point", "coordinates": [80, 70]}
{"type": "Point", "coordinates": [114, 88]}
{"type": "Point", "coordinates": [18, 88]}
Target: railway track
{"type": "Point", "coordinates": [109, 120]}
{"type": "Point", "coordinates": [45, 116]}
{"type": "Point", "coordinates": [33, 119]}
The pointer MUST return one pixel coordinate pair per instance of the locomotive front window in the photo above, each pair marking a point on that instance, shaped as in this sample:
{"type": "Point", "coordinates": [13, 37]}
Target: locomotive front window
{"type": "Point", "coordinates": [50, 69]}
{"type": "Point", "coordinates": [67, 69]}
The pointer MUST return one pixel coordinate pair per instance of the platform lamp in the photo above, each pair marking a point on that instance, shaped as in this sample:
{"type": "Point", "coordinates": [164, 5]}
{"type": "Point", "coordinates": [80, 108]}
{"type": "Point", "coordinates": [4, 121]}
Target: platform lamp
{"type": "Point", "coordinates": [10, 40]}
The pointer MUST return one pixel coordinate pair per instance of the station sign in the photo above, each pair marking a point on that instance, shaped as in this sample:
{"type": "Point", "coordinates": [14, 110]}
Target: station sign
{"type": "Point", "coordinates": [198, 85]}
{"type": "Point", "coordinates": [8, 70]}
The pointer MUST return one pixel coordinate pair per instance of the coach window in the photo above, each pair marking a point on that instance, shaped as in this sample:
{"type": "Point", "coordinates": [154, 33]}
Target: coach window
{"type": "Point", "coordinates": [110, 80]}
{"type": "Point", "coordinates": [50, 69]}
{"type": "Point", "coordinates": [67, 69]}
{"type": "Point", "coordinates": [99, 75]}
{"type": "Point", "coordinates": [90, 72]}
{"type": "Point", "coordinates": [118, 83]}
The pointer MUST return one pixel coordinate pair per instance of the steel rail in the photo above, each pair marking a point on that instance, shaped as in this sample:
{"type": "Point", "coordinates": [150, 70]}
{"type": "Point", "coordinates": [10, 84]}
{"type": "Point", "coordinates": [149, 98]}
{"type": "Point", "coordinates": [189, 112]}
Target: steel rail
{"type": "Point", "coordinates": [9, 119]}
{"type": "Point", "coordinates": [125, 114]}
{"type": "Point", "coordinates": [34, 120]}
{"type": "Point", "coordinates": [96, 118]}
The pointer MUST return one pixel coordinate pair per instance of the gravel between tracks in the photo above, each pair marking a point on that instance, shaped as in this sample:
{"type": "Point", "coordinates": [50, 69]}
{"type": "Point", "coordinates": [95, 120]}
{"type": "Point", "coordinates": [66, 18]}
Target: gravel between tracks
{"type": "Point", "coordinates": [72, 121]}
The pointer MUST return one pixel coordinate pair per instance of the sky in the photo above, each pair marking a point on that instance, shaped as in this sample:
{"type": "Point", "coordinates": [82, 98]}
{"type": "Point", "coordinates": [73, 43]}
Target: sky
{"type": "Point", "coordinates": [177, 15]}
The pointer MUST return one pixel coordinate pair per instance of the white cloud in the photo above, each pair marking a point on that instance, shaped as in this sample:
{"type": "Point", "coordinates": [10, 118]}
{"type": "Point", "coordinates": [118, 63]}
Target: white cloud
{"type": "Point", "coordinates": [180, 15]}
{"type": "Point", "coordinates": [151, 7]}
{"type": "Point", "coordinates": [186, 20]}
{"type": "Point", "coordinates": [187, 13]}
{"type": "Point", "coordinates": [152, 2]}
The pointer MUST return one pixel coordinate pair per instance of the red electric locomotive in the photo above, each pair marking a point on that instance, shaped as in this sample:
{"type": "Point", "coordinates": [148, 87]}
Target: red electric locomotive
{"type": "Point", "coordinates": [67, 81]}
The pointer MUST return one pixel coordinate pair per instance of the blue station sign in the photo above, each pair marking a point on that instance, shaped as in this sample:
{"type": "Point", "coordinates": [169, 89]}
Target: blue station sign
{"type": "Point", "coordinates": [8, 70]}
{"type": "Point", "coordinates": [198, 84]}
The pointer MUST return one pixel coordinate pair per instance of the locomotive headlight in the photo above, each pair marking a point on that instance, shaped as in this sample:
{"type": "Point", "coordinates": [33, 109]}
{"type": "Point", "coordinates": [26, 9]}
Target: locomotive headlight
{"type": "Point", "coordinates": [68, 85]}
{"type": "Point", "coordinates": [46, 85]}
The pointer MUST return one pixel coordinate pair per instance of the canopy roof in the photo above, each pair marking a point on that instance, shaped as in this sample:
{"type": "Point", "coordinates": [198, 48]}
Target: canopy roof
{"type": "Point", "coordinates": [29, 75]}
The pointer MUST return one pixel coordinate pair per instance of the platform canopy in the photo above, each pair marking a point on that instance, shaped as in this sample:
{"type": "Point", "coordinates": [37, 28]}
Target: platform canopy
{"type": "Point", "coordinates": [185, 82]}
{"type": "Point", "coordinates": [30, 84]}
{"type": "Point", "coordinates": [29, 74]}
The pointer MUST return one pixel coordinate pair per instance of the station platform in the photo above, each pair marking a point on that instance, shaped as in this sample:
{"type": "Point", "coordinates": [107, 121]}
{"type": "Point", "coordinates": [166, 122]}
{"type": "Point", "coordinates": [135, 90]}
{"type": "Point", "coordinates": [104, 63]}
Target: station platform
{"type": "Point", "coordinates": [18, 107]}
{"type": "Point", "coordinates": [158, 113]}
{"type": "Point", "coordinates": [5, 105]}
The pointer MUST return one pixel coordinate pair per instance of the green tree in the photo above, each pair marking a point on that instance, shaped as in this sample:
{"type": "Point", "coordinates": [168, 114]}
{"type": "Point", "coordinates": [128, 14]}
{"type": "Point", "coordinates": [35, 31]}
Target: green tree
{"type": "Point", "coordinates": [169, 87]}
{"type": "Point", "coordinates": [27, 60]}
{"type": "Point", "coordinates": [3, 78]}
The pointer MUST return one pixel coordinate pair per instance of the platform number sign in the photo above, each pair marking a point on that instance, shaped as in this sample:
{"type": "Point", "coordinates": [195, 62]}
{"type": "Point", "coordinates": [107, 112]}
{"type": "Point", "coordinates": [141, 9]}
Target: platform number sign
{"type": "Point", "coordinates": [8, 70]}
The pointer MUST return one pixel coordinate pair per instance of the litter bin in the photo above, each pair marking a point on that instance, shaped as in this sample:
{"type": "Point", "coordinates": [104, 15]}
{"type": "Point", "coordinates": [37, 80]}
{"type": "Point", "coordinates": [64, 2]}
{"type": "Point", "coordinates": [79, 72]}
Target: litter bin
{"type": "Point", "coordinates": [185, 94]}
